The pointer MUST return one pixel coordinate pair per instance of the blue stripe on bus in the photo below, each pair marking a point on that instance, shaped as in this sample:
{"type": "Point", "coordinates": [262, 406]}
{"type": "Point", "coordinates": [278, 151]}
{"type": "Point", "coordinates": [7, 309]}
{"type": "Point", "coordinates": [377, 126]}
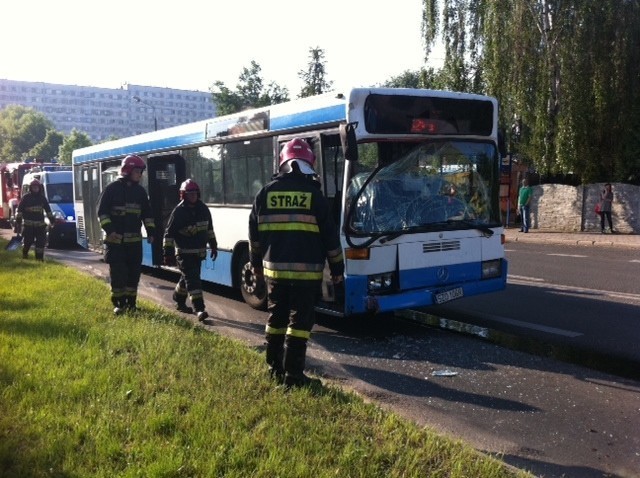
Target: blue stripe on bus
{"type": "Point", "coordinates": [329, 114]}
{"type": "Point", "coordinates": [175, 142]}
{"type": "Point", "coordinates": [356, 301]}
{"type": "Point", "coordinates": [428, 276]}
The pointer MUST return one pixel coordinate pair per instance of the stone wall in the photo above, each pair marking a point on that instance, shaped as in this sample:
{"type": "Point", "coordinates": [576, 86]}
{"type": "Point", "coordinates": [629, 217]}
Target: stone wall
{"type": "Point", "coordinates": [561, 208]}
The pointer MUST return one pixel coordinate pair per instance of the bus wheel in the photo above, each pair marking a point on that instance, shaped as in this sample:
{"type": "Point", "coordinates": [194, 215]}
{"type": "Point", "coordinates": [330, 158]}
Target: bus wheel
{"type": "Point", "coordinates": [253, 293]}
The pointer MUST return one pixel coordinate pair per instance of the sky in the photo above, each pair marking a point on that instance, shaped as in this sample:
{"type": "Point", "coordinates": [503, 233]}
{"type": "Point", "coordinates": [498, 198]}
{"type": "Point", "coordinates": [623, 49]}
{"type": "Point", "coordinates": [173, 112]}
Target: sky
{"type": "Point", "coordinates": [190, 44]}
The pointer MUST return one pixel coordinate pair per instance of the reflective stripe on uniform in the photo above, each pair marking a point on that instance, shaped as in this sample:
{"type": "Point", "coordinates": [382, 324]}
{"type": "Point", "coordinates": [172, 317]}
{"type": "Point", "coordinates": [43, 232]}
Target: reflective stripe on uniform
{"type": "Point", "coordinates": [28, 222]}
{"type": "Point", "coordinates": [274, 331]}
{"type": "Point", "coordinates": [334, 256]}
{"type": "Point", "coordinates": [291, 226]}
{"type": "Point", "coordinates": [302, 334]}
{"type": "Point", "coordinates": [293, 270]}
{"type": "Point", "coordinates": [293, 266]}
{"type": "Point", "coordinates": [105, 220]}
{"type": "Point", "coordinates": [201, 251]}
{"type": "Point", "coordinates": [288, 222]}
{"type": "Point", "coordinates": [293, 275]}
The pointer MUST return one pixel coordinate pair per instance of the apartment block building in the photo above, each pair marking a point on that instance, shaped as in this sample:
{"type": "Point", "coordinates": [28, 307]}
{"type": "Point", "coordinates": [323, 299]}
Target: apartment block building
{"type": "Point", "coordinates": [103, 113]}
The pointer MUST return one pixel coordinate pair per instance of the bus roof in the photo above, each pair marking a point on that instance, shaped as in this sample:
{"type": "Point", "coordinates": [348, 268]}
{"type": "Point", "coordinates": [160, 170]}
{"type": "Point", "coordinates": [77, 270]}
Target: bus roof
{"type": "Point", "coordinates": [316, 110]}
{"type": "Point", "coordinates": [306, 113]}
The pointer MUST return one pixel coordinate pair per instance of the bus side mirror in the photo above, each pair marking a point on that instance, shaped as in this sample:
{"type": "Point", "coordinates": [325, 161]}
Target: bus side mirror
{"type": "Point", "coordinates": [348, 140]}
{"type": "Point", "coordinates": [502, 148]}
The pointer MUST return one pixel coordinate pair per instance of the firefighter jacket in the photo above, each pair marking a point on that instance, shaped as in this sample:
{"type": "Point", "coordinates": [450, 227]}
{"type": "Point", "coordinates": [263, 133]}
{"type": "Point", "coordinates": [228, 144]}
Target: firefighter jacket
{"type": "Point", "coordinates": [31, 210]}
{"type": "Point", "coordinates": [122, 207]}
{"type": "Point", "coordinates": [291, 231]}
{"type": "Point", "coordinates": [189, 230]}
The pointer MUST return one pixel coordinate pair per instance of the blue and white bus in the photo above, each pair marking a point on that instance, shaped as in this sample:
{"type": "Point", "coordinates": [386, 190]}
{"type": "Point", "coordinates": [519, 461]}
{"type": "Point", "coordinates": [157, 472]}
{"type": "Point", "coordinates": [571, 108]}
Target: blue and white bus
{"type": "Point", "coordinates": [412, 177]}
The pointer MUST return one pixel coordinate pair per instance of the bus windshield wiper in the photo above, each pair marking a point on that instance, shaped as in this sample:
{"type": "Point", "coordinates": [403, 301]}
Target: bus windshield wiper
{"type": "Point", "coordinates": [485, 230]}
{"type": "Point", "coordinates": [410, 230]}
{"type": "Point", "coordinates": [392, 236]}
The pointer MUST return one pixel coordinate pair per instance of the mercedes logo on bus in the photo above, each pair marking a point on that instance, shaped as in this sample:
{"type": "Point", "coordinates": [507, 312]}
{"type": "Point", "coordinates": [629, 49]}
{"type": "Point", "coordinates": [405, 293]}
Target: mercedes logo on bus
{"type": "Point", "coordinates": [442, 274]}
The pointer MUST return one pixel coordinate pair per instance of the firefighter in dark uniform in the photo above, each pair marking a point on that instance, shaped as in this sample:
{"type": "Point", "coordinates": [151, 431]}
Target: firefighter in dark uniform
{"type": "Point", "coordinates": [185, 244]}
{"type": "Point", "coordinates": [122, 207]}
{"type": "Point", "coordinates": [30, 219]}
{"type": "Point", "coordinates": [291, 236]}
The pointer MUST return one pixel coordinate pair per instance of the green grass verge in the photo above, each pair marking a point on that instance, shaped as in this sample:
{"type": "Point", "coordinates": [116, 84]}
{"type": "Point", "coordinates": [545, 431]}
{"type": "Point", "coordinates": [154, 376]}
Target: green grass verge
{"type": "Point", "coordinates": [86, 394]}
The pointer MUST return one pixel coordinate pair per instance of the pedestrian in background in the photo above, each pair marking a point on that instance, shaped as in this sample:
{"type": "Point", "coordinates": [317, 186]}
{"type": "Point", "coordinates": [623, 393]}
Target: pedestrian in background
{"type": "Point", "coordinates": [524, 201]}
{"type": "Point", "coordinates": [606, 199]}
{"type": "Point", "coordinates": [188, 232]}
{"type": "Point", "coordinates": [122, 207]}
{"type": "Point", "coordinates": [30, 220]}
{"type": "Point", "coordinates": [291, 236]}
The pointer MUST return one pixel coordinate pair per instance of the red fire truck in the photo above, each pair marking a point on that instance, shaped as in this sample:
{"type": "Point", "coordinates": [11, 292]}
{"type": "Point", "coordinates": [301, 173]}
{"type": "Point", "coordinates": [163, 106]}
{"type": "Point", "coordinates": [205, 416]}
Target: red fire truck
{"type": "Point", "coordinates": [11, 175]}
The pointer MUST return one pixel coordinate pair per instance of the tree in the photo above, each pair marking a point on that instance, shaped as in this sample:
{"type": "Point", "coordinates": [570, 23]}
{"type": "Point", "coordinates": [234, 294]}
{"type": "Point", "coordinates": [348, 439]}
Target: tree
{"type": "Point", "coordinates": [569, 69]}
{"type": "Point", "coordinates": [47, 149]}
{"type": "Point", "coordinates": [424, 78]}
{"type": "Point", "coordinates": [21, 130]}
{"type": "Point", "coordinates": [75, 140]}
{"type": "Point", "coordinates": [250, 92]}
{"type": "Point", "coordinates": [314, 77]}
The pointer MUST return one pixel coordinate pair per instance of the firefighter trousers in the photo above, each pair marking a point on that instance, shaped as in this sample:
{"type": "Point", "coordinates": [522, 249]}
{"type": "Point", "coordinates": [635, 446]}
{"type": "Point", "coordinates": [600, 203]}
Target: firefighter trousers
{"type": "Point", "coordinates": [291, 318]}
{"type": "Point", "coordinates": [190, 283]}
{"type": "Point", "coordinates": [125, 267]}
{"type": "Point", "coordinates": [31, 234]}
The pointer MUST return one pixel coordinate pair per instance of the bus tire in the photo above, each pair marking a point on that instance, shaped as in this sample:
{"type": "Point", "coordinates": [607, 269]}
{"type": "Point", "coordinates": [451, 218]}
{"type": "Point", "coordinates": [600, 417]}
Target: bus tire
{"type": "Point", "coordinates": [254, 294]}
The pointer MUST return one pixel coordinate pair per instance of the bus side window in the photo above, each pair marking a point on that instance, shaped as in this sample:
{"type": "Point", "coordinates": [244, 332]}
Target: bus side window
{"type": "Point", "coordinates": [333, 173]}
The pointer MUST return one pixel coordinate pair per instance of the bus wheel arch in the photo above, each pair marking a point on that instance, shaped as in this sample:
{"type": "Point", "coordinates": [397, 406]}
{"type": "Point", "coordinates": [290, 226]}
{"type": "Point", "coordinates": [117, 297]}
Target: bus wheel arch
{"type": "Point", "coordinates": [253, 293]}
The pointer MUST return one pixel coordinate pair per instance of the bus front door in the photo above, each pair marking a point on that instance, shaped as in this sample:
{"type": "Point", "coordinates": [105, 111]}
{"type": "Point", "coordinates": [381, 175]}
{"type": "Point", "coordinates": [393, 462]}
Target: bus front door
{"type": "Point", "coordinates": [166, 173]}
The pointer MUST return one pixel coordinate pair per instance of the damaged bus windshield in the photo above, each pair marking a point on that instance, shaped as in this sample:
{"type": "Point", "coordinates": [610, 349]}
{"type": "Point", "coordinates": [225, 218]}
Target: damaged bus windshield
{"type": "Point", "coordinates": [443, 183]}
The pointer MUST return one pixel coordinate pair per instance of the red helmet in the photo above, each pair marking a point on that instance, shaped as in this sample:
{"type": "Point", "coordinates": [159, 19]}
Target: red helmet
{"type": "Point", "coordinates": [189, 186]}
{"type": "Point", "coordinates": [297, 149]}
{"type": "Point", "coordinates": [33, 183]}
{"type": "Point", "coordinates": [129, 163]}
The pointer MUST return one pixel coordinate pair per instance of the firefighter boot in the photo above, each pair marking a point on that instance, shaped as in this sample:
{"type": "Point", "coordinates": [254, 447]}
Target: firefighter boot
{"type": "Point", "coordinates": [184, 308]}
{"type": "Point", "coordinates": [198, 304]}
{"type": "Point", "coordinates": [25, 253]}
{"type": "Point", "coordinates": [181, 303]}
{"type": "Point", "coordinates": [130, 303]}
{"type": "Point", "coordinates": [118, 306]}
{"type": "Point", "coordinates": [275, 357]}
{"type": "Point", "coordinates": [40, 256]}
{"type": "Point", "coordinates": [294, 360]}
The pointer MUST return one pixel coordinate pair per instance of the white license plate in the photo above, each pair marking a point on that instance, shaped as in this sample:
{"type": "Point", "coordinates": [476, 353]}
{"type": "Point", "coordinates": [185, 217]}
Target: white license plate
{"type": "Point", "coordinates": [446, 296]}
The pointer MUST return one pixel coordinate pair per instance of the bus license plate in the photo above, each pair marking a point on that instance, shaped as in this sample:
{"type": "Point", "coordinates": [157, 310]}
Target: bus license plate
{"type": "Point", "coordinates": [446, 296]}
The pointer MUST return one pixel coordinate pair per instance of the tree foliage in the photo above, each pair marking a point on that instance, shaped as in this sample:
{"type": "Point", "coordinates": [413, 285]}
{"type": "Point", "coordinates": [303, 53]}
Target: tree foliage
{"type": "Point", "coordinates": [75, 140]}
{"type": "Point", "coordinates": [314, 77]}
{"type": "Point", "coordinates": [47, 149]}
{"type": "Point", "coordinates": [24, 133]}
{"type": "Point", "coordinates": [424, 78]}
{"type": "Point", "coordinates": [250, 92]}
{"type": "Point", "coordinates": [568, 69]}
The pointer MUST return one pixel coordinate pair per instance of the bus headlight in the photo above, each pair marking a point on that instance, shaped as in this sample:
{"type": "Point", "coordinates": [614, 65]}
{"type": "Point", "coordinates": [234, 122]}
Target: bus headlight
{"type": "Point", "coordinates": [381, 282]}
{"type": "Point", "coordinates": [492, 269]}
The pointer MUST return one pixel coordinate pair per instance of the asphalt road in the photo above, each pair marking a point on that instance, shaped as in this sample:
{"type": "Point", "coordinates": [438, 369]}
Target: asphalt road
{"type": "Point", "coordinates": [580, 304]}
{"type": "Point", "coordinates": [550, 417]}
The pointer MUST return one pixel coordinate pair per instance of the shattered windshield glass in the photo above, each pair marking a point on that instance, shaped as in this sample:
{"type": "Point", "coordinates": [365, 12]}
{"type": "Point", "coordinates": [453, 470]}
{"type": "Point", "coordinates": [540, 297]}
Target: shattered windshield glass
{"type": "Point", "coordinates": [423, 186]}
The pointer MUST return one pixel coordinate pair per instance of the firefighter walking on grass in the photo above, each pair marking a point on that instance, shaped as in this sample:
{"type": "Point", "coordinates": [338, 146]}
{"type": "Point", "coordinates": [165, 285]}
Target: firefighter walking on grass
{"type": "Point", "coordinates": [185, 244]}
{"type": "Point", "coordinates": [123, 207]}
{"type": "Point", "coordinates": [30, 220]}
{"type": "Point", "coordinates": [291, 235]}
